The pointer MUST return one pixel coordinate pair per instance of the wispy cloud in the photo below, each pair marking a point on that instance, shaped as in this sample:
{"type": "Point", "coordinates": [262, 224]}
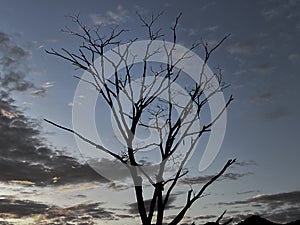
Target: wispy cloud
{"type": "Point", "coordinates": [48, 84]}
{"type": "Point", "coordinates": [41, 213]}
{"type": "Point", "coordinates": [38, 92]}
{"type": "Point", "coordinates": [271, 13]}
{"type": "Point", "coordinates": [119, 15]}
{"type": "Point", "coordinates": [285, 9]}
{"type": "Point", "coordinates": [264, 97]}
{"type": "Point", "coordinates": [244, 48]}
{"type": "Point", "coordinates": [204, 179]}
{"type": "Point", "coordinates": [211, 28]}
{"type": "Point", "coordinates": [245, 163]}
{"type": "Point", "coordinates": [294, 57]}
{"type": "Point", "coordinates": [247, 192]}
{"type": "Point", "coordinates": [263, 67]}
{"type": "Point", "coordinates": [43, 89]}
{"type": "Point", "coordinates": [78, 187]}
{"type": "Point", "coordinates": [275, 114]}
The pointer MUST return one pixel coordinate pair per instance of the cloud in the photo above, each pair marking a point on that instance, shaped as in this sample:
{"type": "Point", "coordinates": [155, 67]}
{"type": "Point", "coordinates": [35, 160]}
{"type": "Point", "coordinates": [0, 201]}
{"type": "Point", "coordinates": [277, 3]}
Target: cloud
{"type": "Point", "coordinates": [83, 213]}
{"type": "Point", "coordinates": [8, 114]}
{"type": "Point", "coordinates": [205, 179]}
{"type": "Point", "coordinates": [211, 28]}
{"type": "Point", "coordinates": [133, 209]}
{"type": "Point", "coordinates": [270, 13]}
{"type": "Point", "coordinates": [13, 65]}
{"type": "Point", "coordinates": [118, 186]}
{"type": "Point", "coordinates": [71, 104]}
{"type": "Point", "coordinates": [263, 67]}
{"type": "Point", "coordinates": [244, 48]}
{"type": "Point", "coordinates": [294, 57]}
{"type": "Point", "coordinates": [15, 69]}
{"type": "Point", "coordinates": [48, 84]}
{"type": "Point", "coordinates": [282, 9]}
{"type": "Point", "coordinates": [78, 187]}
{"type": "Point", "coordinates": [22, 149]}
{"type": "Point", "coordinates": [262, 97]}
{"type": "Point", "coordinates": [284, 215]}
{"type": "Point", "coordinates": [114, 170]}
{"type": "Point", "coordinates": [274, 200]}
{"type": "Point", "coordinates": [205, 6]}
{"type": "Point", "coordinates": [119, 15]}
{"type": "Point", "coordinates": [275, 114]}
{"type": "Point", "coordinates": [23, 182]}
{"type": "Point", "coordinates": [247, 192]}
{"type": "Point", "coordinates": [38, 92]}
{"type": "Point", "coordinates": [204, 217]}
{"type": "Point", "coordinates": [42, 90]}
{"type": "Point", "coordinates": [20, 208]}
{"type": "Point", "coordinates": [235, 176]}
{"type": "Point", "coordinates": [279, 207]}
{"type": "Point", "coordinates": [245, 163]}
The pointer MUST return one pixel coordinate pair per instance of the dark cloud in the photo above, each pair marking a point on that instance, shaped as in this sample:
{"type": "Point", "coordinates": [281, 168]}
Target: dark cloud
{"type": "Point", "coordinates": [25, 157]}
{"type": "Point", "coordinates": [284, 215]}
{"type": "Point", "coordinates": [10, 207]}
{"type": "Point", "coordinates": [245, 163]}
{"type": "Point", "coordinates": [205, 179]}
{"type": "Point", "coordinates": [235, 176]}
{"type": "Point", "coordinates": [197, 180]}
{"type": "Point", "coordinates": [124, 216]}
{"type": "Point", "coordinates": [204, 217]}
{"type": "Point", "coordinates": [21, 208]}
{"type": "Point", "coordinates": [13, 65]}
{"type": "Point", "coordinates": [133, 209]}
{"type": "Point", "coordinates": [273, 200]}
{"type": "Point", "coordinates": [279, 207]}
{"type": "Point", "coordinates": [117, 186]}
{"type": "Point", "coordinates": [188, 220]}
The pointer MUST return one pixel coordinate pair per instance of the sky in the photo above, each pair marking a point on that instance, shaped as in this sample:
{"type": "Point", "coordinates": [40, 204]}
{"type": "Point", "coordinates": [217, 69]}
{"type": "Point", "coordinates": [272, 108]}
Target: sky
{"type": "Point", "coordinates": [44, 176]}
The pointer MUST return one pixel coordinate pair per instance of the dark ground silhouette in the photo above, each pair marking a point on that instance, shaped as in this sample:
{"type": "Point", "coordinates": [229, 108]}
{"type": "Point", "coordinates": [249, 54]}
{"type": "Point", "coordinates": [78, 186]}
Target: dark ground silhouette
{"type": "Point", "coordinates": [253, 220]}
{"type": "Point", "coordinates": [257, 220]}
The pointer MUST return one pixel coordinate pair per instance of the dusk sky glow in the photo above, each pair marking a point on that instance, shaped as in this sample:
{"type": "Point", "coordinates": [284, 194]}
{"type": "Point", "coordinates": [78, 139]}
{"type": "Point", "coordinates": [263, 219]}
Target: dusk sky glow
{"type": "Point", "coordinates": [45, 178]}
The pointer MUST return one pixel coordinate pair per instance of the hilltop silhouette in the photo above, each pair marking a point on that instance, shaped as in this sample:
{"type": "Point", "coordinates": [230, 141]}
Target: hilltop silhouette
{"type": "Point", "coordinates": [257, 220]}
{"type": "Point", "coordinates": [254, 220]}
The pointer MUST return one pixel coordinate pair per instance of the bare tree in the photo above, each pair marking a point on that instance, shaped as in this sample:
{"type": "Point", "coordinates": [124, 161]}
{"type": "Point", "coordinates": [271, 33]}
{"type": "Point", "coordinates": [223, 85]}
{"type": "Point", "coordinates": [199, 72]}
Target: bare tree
{"type": "Point", "coordinates": [146, 105]}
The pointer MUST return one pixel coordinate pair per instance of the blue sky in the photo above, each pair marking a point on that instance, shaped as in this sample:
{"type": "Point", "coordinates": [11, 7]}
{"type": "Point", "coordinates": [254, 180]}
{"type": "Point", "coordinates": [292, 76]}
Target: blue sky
{"type": "Point", "coordinates": [260, 60]}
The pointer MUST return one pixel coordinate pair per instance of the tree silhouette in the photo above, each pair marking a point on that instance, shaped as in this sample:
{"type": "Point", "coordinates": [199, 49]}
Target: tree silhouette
{"type": "Point", "coordinates": [173, 120]}
{"type": "Point", "coordinates": [218, 220]}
